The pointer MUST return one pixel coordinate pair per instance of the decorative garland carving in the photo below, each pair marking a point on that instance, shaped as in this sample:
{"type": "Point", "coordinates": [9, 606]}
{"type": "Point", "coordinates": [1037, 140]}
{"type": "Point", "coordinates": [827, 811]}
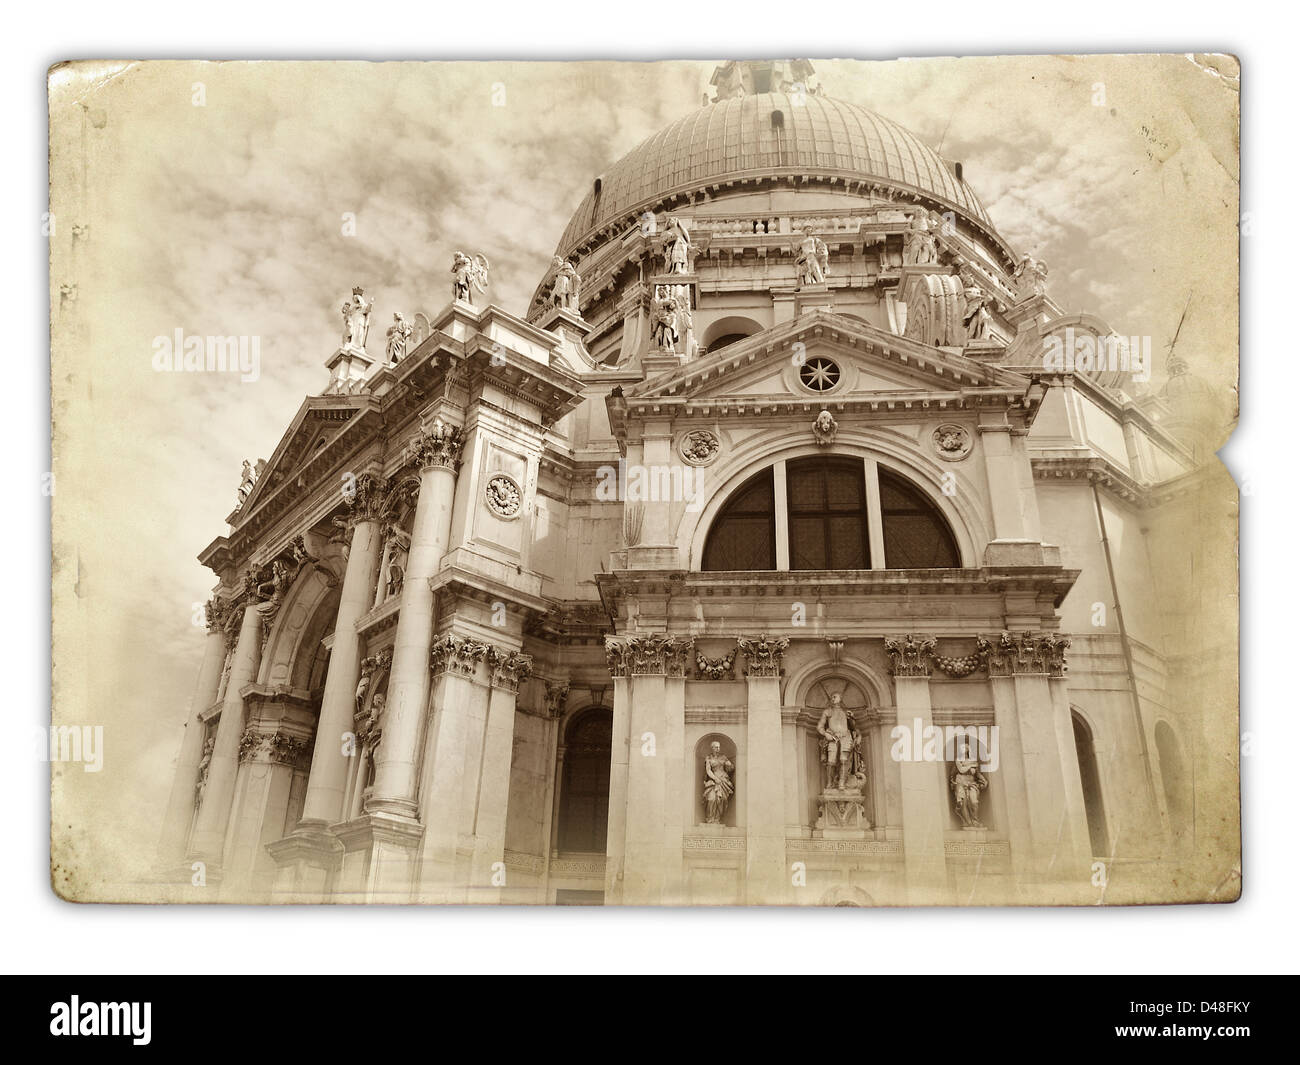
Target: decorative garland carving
{"type": "Point", "coordinates": [958, 667]}
{"type": "Point", "coordinates": [763, 654]}
{"type": "Point", "coordinates": [723, 668]}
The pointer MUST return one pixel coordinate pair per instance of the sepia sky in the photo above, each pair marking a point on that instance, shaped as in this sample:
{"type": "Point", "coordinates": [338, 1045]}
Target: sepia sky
{"type": "Point", "coordinates": [227, 219]}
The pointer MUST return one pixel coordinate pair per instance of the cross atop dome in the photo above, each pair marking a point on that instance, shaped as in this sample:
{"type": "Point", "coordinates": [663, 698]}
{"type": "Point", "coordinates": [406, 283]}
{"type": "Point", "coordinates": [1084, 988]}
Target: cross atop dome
{"type": "Point", "coordinates": [745, 77]}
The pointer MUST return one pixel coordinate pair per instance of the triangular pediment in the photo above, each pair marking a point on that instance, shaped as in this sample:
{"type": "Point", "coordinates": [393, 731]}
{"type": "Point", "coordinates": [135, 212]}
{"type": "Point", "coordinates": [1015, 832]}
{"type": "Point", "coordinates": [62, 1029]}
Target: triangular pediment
{"type": "Point", "coordinates": [867, 361]}
{"type": "Point", "coordinates": [319, 421]}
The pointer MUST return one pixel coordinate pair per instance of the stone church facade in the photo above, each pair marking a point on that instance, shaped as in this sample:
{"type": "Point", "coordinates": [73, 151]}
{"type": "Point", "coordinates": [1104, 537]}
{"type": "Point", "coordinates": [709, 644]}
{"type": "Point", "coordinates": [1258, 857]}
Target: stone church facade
{"type": "Point", "coordinates": [769, 557]}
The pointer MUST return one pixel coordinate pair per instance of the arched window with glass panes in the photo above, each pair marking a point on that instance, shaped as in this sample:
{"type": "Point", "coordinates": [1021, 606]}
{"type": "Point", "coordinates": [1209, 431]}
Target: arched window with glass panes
{"type": "Point", "coordinates": [829, 513]}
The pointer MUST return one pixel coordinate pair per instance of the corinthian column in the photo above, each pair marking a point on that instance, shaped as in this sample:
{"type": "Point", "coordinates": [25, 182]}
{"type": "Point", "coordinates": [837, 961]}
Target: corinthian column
{"type": "Point", "coordinates": [180, 805]}
{"type": "Point", "coordinates": [437, 453]}
{"type": "Point", "coordinates": [210, 829]}
{"type": "Point", "coordinates": [323, 804]}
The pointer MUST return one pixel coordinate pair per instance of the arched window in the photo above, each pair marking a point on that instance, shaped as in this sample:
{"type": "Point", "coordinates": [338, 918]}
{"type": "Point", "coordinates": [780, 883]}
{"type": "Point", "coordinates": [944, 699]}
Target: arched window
{"type": "Point", "coordinates": [584, 789]}
{"type": "Point", "coordinates": [828, 514]}
{"type": "Point", "coordinates": [744, 533]}
{"type": "Point", "coordinates": [916, 535]}
{"type": "Point", "coordinates": [835, 508]}
{"type": "Point", "coordinates": [1091, 780]}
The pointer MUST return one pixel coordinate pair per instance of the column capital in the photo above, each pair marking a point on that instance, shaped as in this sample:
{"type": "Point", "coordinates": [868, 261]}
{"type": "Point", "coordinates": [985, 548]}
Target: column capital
{"type": "Point", "coordinates": [278, 748]}
{"type": "Point", "coordinates": [437, 446]}
{"type": "Point", "coordinates": [461, 655]}
{"type": "Point", "coordinates": [910, 657]}
{"type": "Point", "coordinates": [763, 654]}
{"type": "Point", "coordinates": [216, 613]}
{"type": "Point", "coordinates": [508, 668]}
{"type": "Point", "coordinates": [1024, 653]}
{"type": "Point", "coordinates": [654, 654]}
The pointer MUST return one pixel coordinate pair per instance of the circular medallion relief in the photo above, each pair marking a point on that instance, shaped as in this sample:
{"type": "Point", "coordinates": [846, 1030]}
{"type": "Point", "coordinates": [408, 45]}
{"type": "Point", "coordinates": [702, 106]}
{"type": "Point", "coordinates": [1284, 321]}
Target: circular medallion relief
{"type": "Point", "coordinates": [819, 374]}
{"type": "Point", "coordinates": [952, 442]}
{"type": "Point", "coordinates": [699, 447]}
{"type": "Point", "coordinates": [503, 495]}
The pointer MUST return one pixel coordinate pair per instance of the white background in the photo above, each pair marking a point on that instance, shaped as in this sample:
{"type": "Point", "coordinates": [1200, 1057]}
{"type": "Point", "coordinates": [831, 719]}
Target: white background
{"type": "Point", "coordinates": [1258, 934]}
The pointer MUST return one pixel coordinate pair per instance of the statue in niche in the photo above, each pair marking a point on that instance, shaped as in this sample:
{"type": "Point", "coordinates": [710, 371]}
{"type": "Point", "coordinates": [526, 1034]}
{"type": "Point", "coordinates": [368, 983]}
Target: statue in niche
{"type": "Point", "coordinates": [204, 763]}
{"type": "Point", "coordinates": [967, 781]}
{"type": "Point", "coordinates": [564, 289]}
{"type": "Point", "coordinates": [664, 320]}
{"type": "Point", "coordinates": [356, 319]}
{"type": "Point", "coordinates": [813, 259]}
{"type": "Point", "coordinates": [841, 747]}
{"type": "Point", "coordinates": [374, 722]}
{"type": "Point", "coordinates": [363, 685]}
{"type": "Point", "coordinates": [975, 316]}
{"type": "Point", "coordinates": [399, 335]}
{"type": "Point", "coordinates": [677, 247]}
{"type": "Point", "coordinates": [718, 784]}
{"type": "Point", "coordinates": [468, 273]}
{"type": "Point", "coordinates": [399, 547]}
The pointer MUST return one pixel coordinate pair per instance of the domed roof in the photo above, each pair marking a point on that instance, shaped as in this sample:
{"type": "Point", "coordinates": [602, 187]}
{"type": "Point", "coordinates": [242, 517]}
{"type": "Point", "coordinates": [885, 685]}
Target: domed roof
{"type": "Point", "coordinates": [740, 136]}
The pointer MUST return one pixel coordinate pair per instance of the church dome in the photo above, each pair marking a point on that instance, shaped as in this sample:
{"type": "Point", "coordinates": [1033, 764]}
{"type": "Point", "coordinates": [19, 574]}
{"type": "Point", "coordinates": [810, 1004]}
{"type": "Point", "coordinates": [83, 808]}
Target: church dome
{"type": "Point", "coordinates": [771, 134]}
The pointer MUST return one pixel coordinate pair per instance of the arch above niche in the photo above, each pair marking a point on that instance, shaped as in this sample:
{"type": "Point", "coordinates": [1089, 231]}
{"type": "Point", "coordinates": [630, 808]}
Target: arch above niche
{"type": "Point", "coordinates": [800, 684]}
{"type": "Point", "coordinates": [304, 619]}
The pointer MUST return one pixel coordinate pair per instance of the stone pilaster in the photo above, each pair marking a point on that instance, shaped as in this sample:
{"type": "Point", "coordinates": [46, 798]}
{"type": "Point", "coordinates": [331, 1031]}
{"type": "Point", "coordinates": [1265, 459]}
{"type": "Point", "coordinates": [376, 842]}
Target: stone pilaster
{"type": "Point", "coordinates": [1037, 754]}
{"type": "Point", "coordinates": [437, 453]}
{"type": "Point", "coordinates": [922, 786]}
{"type": "Point", "coordinates": [453, 748]}
{"type": "Point", "coordinates": [209, 835]}
{"type": "Point", "coordinates": [507, 670]}
{"type": "Point", "coordinates": [181, 802]}
{"type": "Point", "coordinates": [650, 719]}
{"type": "Point", "coordinates": [767, 881]}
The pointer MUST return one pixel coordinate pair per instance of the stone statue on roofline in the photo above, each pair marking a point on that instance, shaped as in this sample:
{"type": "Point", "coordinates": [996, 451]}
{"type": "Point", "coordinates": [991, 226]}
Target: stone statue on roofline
{"type": "Point", "coordinates": [677, 246]}
{"type": "Point", "coordinates": [356, 319]}
{"type": "Point", "coordinates": [468, 274]}
{"type": "Point", "coordinates": [665, 317]}
{"type": "Point", "coordinates": [975, 316]}
{"type": "Point", "coordinates": [564, 287]}
{"type": "Point", "coordinates": [398, 337]}
{"type": "Point", "coordinates": [812, 258]}
{"type": "Point", "coordinates": [1030, 277]}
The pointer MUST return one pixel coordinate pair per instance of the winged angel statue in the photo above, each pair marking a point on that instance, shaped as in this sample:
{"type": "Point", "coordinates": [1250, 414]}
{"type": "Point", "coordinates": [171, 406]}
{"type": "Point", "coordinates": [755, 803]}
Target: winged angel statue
{"type": "Point", "coordinates": [812, 258]}
{"type": "Point", "coordinates": [467, 272]}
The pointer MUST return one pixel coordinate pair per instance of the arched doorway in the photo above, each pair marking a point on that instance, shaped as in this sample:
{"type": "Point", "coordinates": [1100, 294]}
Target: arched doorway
{"type": "Point", "coordinates": [584, 787]}
{"type": "Point", "coordinates": [1090, 778]}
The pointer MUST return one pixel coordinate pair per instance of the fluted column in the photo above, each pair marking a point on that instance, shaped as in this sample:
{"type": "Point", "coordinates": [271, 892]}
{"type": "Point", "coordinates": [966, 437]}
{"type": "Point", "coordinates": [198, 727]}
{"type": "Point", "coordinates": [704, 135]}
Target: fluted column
{"type": "Point", "coordinates": [766, 879]}
{"type": "Point", "coordinates": [923, 789]}
{"type": "Point", "coordinates": [180, 804]}
{"type": "Point", "coordinates": [437, 452]}
{"type": "Point", "coordinates": [214, 815]}
{"type": "Point", "coordinates": [323, 804]}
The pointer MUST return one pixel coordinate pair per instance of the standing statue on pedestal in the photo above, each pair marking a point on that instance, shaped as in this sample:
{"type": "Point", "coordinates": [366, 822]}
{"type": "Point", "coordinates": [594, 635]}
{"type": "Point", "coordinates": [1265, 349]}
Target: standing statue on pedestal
{"type": "Point", "coordinates": [399, 546]}
{"type": "Point", "coordinates": [841, 747]}
{"type": "Point", "coordinates": [204, 762]}
{"type": "Point", "coordinates": [664, 320]}
{"type": "Point", "coordinates": [677, 247]}
{"type": "Point", "coordinates": [919, 245]}
{"type": "Point", "coordinates": [356, 320]}
{"type": "Point", "coordinates": [812, 259]}
{"type": "Point", "coordinates": [398, 336]}
{"type": "Point", "coordinates": [718, 785]}
{"type": "Point", "coordinates": [1030, 277]}
{"type": "Point", "coordinates": [967, 782]}
{"type": "Point", "coordinates": [468, 273]}
{"type": "Point", "coordinates": [564, 289]}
